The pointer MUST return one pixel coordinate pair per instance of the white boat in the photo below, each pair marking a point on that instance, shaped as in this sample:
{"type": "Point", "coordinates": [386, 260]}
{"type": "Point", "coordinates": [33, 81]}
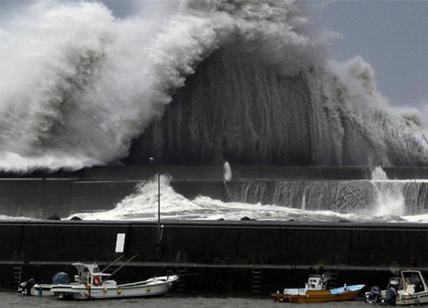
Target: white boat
{"type": "Point", "coordinates": [409, 288]}
{"type": "Point", "coordinates": [413, 289]}
{"type": "Point", "coordinates": [91, 283]}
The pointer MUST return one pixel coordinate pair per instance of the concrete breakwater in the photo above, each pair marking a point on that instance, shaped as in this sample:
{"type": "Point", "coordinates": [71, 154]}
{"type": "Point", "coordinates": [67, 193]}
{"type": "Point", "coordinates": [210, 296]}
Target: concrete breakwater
{"type": "Point", "coordinates": [340, 189]}
{"type": "Point", "coordinates": [216, 257]}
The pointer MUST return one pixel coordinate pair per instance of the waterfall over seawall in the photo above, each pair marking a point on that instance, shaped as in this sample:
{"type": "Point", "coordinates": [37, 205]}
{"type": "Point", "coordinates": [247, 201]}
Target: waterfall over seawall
{"type": "Point", "coordinates": [356, 196]}
{"type": "Point", "coordinates": [199, 192]}
{"type": "Point", "coordinates": [241, 110]}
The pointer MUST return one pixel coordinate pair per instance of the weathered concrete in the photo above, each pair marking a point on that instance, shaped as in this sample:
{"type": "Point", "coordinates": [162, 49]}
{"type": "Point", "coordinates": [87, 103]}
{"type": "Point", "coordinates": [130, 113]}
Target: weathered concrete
{"type": "Point", "coordinates": [218, 250]}
{"type": "Point", "coordinates": [273, 243]}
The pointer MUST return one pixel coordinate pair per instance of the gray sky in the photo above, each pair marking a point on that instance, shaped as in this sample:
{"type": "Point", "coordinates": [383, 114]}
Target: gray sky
{"type": "Point", "coordinates": [392, 36]}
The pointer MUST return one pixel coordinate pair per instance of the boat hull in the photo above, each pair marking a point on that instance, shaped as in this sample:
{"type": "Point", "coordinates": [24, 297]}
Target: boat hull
{"type": "Point", "coordinates": [81, 291]}
{"type": "Point", "coordinates": [412, 299]}
{"type": "Point", "coordinates": [319, 296]}
{"type": "Point", "coordinates": [315, 297]}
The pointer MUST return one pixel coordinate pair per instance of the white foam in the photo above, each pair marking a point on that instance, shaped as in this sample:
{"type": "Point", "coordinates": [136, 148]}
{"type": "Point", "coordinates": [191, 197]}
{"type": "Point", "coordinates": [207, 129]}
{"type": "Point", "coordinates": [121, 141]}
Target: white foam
{"type": "Point", "coordinates": [142, 205]}
{"type": "Point", "coordinates": [77, 84]}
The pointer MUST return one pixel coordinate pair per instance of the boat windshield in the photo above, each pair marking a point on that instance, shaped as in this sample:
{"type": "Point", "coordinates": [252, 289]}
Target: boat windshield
{"type": "Point", "coordinates": [413, 282]}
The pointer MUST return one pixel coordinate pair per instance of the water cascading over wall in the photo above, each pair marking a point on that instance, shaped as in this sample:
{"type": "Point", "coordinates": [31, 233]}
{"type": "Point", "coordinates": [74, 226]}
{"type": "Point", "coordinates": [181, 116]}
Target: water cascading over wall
{"type": "Point", "coordinates": [236, 108]}
{"type": "Point", "coordinates": [346, 196]}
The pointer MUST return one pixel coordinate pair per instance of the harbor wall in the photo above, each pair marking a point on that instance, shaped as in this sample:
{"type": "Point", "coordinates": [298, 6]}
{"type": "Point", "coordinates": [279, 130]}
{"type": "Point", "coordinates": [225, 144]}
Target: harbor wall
{"type": "Point", "coordinates": [280, 252]}
{"type": "Point", "coordinates": [41, 198]}
{"type": "Point", "coordinates": [40, 195]}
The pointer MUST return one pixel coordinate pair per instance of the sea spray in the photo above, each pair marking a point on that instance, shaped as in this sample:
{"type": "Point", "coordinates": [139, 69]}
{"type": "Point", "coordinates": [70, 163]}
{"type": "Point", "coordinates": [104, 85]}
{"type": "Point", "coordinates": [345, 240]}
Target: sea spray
{"type": "Point", "coordinates": [389, 199]}
{"type": "Point", "coordinates": [78, 84]}
{"type": "Point", "coordinates": [142, 205]}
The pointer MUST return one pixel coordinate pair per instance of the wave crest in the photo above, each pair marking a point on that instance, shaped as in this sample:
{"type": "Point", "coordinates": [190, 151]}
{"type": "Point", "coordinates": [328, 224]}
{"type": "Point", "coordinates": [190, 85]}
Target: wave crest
{"type": "Point", "coordinates": [77, 84]}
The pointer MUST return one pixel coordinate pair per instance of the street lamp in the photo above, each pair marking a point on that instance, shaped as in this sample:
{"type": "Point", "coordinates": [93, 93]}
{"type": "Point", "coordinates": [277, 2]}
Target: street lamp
{"type": "Point", "coordinates": [152, 159]}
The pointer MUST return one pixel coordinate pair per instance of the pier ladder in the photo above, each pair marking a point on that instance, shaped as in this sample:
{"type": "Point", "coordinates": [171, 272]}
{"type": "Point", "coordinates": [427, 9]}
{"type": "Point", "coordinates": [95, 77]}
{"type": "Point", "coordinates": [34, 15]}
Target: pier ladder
{"type": "Point", "coordinates": [256, 281]}
{"type": "Point", "coordinates": [17, 274]}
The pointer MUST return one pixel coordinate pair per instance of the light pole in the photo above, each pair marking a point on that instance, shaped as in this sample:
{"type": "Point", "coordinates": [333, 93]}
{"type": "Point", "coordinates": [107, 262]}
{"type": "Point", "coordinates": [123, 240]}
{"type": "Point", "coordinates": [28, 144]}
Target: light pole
{"type": "Point", "coordinates": [152, 159]}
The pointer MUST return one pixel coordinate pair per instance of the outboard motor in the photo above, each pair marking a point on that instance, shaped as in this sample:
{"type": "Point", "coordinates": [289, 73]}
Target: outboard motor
{"type": "Point", "coordinates": [390, 296]}
{"type": "Point", "coordinates": [61, 278]}
{"type": "Point", "coordinates": [374, 296]}
{"type": "Point", "coordinates": [25, 287]}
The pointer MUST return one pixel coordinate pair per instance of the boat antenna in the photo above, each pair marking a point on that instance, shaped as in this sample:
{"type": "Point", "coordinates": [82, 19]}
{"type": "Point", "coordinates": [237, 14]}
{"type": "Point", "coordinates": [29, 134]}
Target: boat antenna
{"type": "Point", "coordinates": [120, 267]}
{"type": "Point", "coordinates": [112, 263]}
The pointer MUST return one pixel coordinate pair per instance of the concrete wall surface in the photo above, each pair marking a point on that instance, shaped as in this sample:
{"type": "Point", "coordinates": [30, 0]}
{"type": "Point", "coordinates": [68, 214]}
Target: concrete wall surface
{"type": "Point", "coordinates": [283, 244]}
{"type": "Point", "coordinates": [216, 257]}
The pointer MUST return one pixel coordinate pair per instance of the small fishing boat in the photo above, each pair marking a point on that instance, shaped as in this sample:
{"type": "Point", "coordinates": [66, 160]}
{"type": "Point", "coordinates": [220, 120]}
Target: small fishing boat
{"type": "Point", "coordinates": [91, 283]}
{"type": "Point", "coordinates": [316, 291]}
{"type": "Point", "coordinates": [409, 288]}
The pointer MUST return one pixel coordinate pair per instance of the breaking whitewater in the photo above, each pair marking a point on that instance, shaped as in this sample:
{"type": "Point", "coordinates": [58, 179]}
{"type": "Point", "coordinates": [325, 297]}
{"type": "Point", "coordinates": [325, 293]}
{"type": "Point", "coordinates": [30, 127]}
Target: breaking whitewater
{"type": "Point", "coordinates": [78, 85]}
{"type": "Point", "coordinates": [388, 205]}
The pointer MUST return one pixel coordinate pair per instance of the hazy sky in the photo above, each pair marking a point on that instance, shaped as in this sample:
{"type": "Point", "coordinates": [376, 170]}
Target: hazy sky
{"type": "Point", "coordinates": [391, 35]}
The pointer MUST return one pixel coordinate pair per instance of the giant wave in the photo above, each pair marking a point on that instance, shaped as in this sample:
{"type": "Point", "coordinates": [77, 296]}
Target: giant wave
{"type": "Point", "coordinates": [78, 84]}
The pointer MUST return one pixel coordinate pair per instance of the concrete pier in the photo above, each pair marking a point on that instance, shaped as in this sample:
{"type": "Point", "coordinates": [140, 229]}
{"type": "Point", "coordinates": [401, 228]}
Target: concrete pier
{"type": "Point", "coordinates": [253, 257]}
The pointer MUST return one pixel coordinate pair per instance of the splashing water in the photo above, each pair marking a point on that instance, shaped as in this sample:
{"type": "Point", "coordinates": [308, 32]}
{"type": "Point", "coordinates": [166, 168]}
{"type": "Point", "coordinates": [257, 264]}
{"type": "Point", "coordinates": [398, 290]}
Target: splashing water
{"type": "Point", "coordinates": [142, 205]}
{"type": "Point", "coordinates": [379, 174]}
{"type": "Point", "coordinates": [389, 194]}
{"type": "Point", "coordinates": [78, 84]}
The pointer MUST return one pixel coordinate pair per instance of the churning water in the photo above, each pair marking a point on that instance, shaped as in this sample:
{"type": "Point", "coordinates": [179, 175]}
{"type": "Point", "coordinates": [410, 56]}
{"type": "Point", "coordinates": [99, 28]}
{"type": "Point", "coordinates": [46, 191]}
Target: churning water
{"type": "Point", "coordinates": [358, 200]}
{"type": "Point", "coordinates": [77, 84]}
{"type": "Point", "coordinates": [251, 81]}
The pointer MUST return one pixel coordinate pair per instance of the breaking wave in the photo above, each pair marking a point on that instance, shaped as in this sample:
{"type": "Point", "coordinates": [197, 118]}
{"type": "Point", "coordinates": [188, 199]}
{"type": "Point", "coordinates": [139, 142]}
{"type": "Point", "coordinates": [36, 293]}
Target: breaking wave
{"type": "Point", "coordinates": [285, 204]}
{"type": "Point", "coordinates": [78, 84]}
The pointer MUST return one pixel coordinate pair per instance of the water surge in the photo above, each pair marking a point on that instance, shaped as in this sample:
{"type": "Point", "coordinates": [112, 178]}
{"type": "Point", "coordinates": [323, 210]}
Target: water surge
{"type": "Point", "coordinates": [78, 84]}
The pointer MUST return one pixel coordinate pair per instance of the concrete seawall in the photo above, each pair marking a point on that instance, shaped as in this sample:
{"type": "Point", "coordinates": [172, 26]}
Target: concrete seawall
{"type": "Point", "coordinates": [40, 198]}
{"type": "Point", "coordinates": [282, 252]}
{"type": "Point", "coordinates": [40, 195]}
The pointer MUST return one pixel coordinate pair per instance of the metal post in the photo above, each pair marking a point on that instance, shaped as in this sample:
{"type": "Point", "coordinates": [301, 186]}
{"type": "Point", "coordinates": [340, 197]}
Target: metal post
{"type": "Point", "coordinates": [152, 159]}
{"type": "Point", "coordinates": [159, 213]}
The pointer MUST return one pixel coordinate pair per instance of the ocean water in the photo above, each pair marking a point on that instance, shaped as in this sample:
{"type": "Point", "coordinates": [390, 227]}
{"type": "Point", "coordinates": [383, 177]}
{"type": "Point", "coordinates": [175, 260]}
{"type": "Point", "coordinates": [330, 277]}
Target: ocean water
{"type": "Point", "coordinates": [9, 300]}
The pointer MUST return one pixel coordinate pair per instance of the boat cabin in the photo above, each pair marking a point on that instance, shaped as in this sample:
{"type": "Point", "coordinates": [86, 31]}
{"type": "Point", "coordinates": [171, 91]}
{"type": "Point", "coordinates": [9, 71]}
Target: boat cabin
{"type": "Point", "coordinates": [316, 282]}
{"type": "Point", "coordinates": [412, 282]}
{"type": "Point", "coordinates": [89, 274]}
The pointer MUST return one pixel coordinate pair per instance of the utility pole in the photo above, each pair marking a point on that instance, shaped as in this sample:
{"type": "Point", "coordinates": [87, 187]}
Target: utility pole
{"type": "Point", "coordinates": [152, 160]}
